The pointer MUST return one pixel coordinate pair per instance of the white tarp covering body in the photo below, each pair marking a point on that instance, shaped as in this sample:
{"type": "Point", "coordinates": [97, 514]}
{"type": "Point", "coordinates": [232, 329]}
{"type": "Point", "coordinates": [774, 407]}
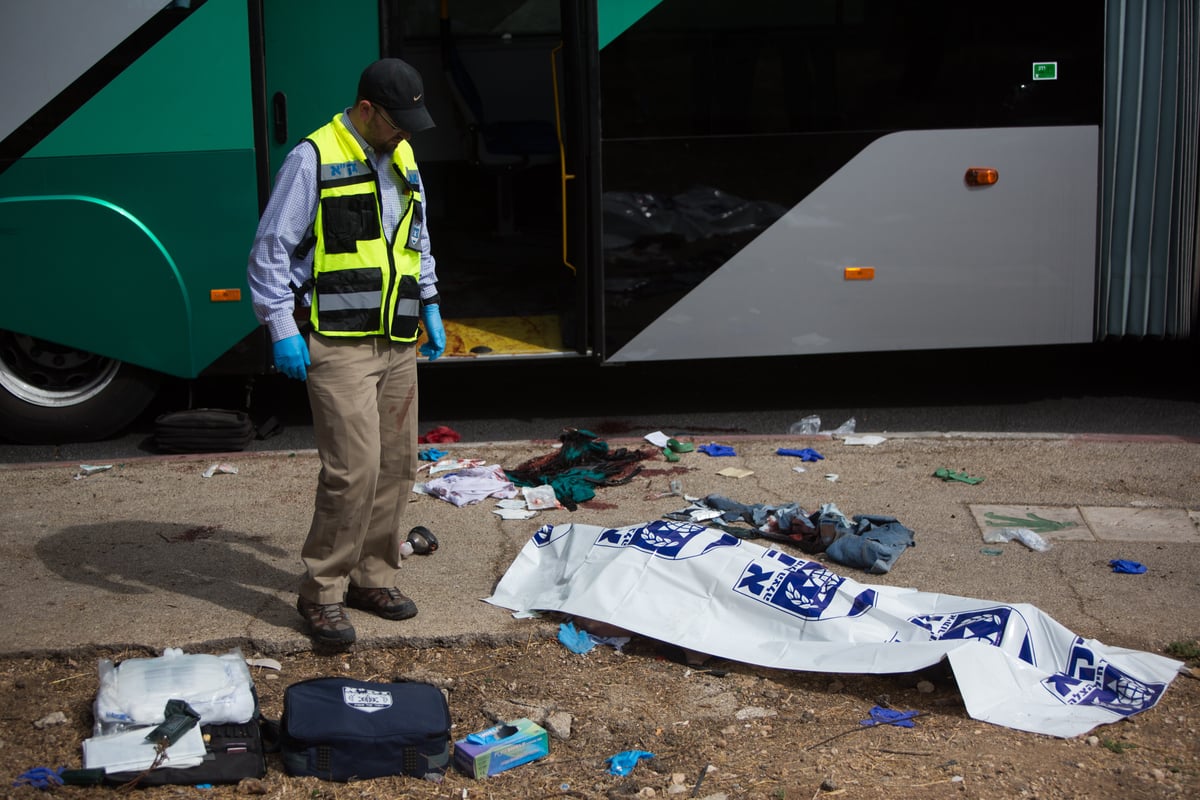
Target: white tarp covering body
{"type": "Point", "coordinates": [709, 591]}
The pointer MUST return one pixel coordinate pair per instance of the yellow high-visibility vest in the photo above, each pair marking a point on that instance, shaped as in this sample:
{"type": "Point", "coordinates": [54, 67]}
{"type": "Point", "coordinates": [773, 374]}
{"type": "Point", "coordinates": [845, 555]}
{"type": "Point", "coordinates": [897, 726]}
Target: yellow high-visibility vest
{"type": "Point", "coordinates": [362, 286]}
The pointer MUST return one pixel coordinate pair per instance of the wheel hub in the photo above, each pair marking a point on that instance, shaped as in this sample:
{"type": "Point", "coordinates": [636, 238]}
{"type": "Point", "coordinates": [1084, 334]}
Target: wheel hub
{"type": "Point", "coordinates": [45, 374]}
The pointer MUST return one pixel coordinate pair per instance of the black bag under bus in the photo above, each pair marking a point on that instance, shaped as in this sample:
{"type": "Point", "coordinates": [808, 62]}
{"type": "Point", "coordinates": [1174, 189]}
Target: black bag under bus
{"type": "Point", "coordinates": [203, 430]}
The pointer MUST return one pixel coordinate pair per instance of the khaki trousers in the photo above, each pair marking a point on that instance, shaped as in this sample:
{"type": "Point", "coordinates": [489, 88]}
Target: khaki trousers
{"type": "Point", "coordinates": [363, 394]}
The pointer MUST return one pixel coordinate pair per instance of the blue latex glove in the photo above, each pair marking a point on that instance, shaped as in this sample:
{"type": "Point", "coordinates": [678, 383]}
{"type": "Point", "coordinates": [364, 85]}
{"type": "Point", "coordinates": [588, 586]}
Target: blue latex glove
{"type": "Point", "coordinates": [888, 716]}
{"type": "Point", "coordinates": [717, 450]}
{"type": "Point", "coordinates": [40, 778]}
{"type": "Point", "coordinates": [1129, 567]}
{"type": "Point", "coordinates": [624, 762]}
{"type": "Point", "coordinates": [431, 315]}
{"type": "Point", "coordinates": [578, 642]}
{"type": "Point", "coordinates": [291, 357]}
{"type": "Point", "coordinates": [807, 454]}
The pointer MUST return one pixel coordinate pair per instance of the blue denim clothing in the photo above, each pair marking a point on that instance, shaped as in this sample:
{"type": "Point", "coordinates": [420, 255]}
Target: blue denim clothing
{"type": "Point", "coordinates": [869, 542]}
{"type": "Point", "coordinates": [789, 520]}
{"type": "Point", "coordinates": [874, 544]}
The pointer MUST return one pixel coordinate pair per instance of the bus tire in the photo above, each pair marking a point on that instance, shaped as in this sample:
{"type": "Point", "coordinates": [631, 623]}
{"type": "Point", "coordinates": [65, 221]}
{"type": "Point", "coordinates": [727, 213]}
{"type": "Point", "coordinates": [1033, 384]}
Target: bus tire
{"type": "Point", "coordinates": [51, 394]}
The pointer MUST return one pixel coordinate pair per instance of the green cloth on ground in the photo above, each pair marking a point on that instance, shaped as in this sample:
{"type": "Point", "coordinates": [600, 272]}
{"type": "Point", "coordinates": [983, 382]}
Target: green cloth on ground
{"type": "Point", "coordinates": [578, 467]}
{"type": "Point", "coordinates": [949, 475]}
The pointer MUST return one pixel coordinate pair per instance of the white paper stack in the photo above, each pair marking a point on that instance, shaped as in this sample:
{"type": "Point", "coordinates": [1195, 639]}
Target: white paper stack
{"type": "Point", "coordinates": [128, 751]}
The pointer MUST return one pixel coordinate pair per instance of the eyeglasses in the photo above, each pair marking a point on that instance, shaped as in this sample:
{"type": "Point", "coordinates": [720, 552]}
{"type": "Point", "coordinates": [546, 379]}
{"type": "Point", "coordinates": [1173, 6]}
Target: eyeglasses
{"type": "Point", "coordinates": [386, 118]}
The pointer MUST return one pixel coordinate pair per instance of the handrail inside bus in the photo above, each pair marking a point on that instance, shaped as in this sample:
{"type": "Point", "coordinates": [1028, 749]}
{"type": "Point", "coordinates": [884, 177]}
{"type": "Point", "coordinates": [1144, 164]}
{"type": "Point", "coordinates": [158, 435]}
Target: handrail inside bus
{"type": "Point", "coordinates": [562, 155]}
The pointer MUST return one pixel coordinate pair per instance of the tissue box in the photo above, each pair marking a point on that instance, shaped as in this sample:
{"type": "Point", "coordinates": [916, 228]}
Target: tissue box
{"type": "Point", "coordinates": [501, 747]}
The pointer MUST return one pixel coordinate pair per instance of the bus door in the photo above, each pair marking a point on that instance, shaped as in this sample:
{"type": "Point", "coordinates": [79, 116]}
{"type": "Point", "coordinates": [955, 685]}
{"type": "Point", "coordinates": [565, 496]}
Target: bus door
{"type": "Point", "coordinates": [310, 72]}
{"type": "Point", "coordinates": [501, 83]}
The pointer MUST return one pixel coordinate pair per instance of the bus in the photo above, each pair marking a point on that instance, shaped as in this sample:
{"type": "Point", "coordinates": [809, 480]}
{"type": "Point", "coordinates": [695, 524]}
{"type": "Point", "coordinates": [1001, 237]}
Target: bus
{"type": "Point", "coordinates": [612, 180]}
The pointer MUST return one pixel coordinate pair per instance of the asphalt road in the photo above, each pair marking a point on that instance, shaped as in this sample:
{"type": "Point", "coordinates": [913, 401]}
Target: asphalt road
{"type": "Point", "coordinates": [1129, 389]}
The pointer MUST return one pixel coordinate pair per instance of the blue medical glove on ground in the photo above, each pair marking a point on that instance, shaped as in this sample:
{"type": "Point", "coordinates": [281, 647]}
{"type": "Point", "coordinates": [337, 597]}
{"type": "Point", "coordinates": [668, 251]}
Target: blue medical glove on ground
{"type": "Point", "coordinates": [432, 317]}
{"type": "Point", "coordinates": [623, 763]}
{"type": "Point", "coordinates": [291, 357]}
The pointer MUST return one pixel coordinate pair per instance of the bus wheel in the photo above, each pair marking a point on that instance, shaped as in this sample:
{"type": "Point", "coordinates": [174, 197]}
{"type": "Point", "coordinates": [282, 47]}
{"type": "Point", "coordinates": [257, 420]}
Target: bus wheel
{"type": "Point", "coordinates": [50, 394]}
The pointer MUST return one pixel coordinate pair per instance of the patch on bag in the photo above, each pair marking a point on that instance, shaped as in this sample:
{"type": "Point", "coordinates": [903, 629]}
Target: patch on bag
{"type": "Point", "coordinates": [368, 700]}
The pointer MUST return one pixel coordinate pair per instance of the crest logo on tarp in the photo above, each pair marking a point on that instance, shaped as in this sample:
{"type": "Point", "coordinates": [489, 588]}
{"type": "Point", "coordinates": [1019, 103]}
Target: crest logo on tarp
{"type": "Point", "coordinates": [987, 625]}
{"type": "Point", "coordinates": [673, 541]}
{"type": "Point", "coordinates": [801, 588]}
{"type": "Point", "coordinates": [545, 534]}
{"type": "Point", "coordinates": [1089, 680]}
{"type": "Point", "coordinates": [368, 700]}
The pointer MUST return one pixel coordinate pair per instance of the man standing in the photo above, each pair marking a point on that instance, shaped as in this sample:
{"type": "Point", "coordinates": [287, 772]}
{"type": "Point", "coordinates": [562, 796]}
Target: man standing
{"type": "Point", "coordinates": [343, 248]}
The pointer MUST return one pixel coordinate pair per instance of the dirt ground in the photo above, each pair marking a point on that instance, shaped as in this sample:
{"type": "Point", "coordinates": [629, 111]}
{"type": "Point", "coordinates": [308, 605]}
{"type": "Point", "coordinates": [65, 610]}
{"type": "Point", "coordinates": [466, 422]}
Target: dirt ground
{"type": "Point", "coordinates": [717, 730]}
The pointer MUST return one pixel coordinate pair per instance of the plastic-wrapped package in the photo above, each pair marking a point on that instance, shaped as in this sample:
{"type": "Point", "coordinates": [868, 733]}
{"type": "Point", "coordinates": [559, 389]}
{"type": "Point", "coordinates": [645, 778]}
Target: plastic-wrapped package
{"type": "Point", "coordinates": [808, 425]}
{"type": "Point", "coordinates": [135, 692]}
{"type": "Point", "coordinates": [1023, 535]}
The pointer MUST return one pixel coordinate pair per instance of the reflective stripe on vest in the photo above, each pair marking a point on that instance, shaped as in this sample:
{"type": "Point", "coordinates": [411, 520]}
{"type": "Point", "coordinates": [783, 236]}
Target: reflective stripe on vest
{"type": "Point", "coordinates": [363, 286]}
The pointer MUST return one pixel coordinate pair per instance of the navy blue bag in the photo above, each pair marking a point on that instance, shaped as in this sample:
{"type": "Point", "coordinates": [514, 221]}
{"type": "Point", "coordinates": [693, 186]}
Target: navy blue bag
{"type": "Point", "coordinates": [342, 729]}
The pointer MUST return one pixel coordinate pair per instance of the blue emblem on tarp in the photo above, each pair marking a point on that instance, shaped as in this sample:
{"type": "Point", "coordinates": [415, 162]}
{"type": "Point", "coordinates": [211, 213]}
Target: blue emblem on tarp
{"type": "Point", "coordinates": [545, 534]}
{"type": "Point", "coordinates": [800, 588]}
{"type": "Point", "coordinates": [670, 540]}
{"type": "Point", "coordinates": [1089, 680]}
{"type": "Point", "coordinates": [987, 625]}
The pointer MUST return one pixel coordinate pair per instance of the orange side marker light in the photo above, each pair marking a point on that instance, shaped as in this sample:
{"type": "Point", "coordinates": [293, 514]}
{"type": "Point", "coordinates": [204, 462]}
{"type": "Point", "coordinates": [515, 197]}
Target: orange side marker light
{"type": "Point", "coordinates": [225, 295]}
{"type": "Point", "coordinates": [981, 176]}
{"type": "Point", "coordinates": [858, 273]}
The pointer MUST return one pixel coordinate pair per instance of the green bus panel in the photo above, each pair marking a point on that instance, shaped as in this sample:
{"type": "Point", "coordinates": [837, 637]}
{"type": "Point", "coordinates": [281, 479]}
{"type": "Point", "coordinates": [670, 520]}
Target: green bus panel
{"type": "Point", "coordinates": [189, 91]}
{"type": "Point", "coordinates": [116, 255]}
{"type": "Point", "coordinates": [616, 16]}
{"type": "Point", "coordinates": [120, 222]}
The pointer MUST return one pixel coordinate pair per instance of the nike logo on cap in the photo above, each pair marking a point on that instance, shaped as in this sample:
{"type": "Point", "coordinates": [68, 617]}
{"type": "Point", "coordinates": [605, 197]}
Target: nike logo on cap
{"type": "Point", "coordinates": [417, 97]}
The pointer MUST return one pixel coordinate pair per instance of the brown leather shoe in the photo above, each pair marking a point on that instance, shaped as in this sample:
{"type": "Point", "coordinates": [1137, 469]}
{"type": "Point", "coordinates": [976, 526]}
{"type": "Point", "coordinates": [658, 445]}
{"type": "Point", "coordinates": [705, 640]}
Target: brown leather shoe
{"type": "Point", "coordinates": [328, 622]}
{"type": "Point", "coordinates": [384, 602]}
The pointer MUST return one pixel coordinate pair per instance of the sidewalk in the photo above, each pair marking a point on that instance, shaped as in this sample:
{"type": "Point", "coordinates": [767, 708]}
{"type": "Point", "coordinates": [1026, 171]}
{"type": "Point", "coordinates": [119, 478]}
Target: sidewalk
{"type": "Point", "coordinates": [151, 553]}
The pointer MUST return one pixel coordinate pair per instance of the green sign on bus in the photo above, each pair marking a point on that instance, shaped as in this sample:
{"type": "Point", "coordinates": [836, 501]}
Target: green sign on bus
{"type": "Point", "coordinates": [1045, 70]}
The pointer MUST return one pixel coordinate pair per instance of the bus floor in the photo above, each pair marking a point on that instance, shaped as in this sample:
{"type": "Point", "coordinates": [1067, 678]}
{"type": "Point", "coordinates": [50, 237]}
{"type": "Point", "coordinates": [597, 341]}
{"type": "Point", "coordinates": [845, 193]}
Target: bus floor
{"type": "Point", "coordinates": [502, 295]}
{"type": "Point", "coordinates": [526, 335]}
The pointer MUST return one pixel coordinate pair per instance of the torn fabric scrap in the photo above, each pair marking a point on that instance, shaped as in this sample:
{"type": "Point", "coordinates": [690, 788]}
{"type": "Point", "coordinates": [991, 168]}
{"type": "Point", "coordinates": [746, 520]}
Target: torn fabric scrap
{"type": "Point", "coordinates": [579, 466]}
{"type": "Point", "coordinates": [439, 435]}
{"type": "Point", "coordinates": [452, 464]}
{"type": "Point", "coordinates": [471, 485]}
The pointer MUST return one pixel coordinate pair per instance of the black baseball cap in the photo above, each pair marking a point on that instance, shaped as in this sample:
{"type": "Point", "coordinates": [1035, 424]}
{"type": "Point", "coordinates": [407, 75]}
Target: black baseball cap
{"type": "Point", "coordinates": [396, 87]}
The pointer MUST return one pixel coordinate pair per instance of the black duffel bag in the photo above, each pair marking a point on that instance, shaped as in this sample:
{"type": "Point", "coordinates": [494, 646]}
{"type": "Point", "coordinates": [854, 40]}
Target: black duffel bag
{"type": "Point", "coordinates": [203, 430]}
